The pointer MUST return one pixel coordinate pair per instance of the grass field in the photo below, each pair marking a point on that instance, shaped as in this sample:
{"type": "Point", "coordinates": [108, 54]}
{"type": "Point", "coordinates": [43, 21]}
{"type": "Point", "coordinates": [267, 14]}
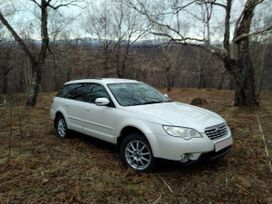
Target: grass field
{"type": "Point", "coordinates": [38, 167]}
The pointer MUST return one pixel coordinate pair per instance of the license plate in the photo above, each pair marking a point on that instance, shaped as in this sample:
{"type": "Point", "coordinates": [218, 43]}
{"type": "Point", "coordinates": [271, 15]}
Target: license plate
{"type": "Point", "coordinates": [222, 144]}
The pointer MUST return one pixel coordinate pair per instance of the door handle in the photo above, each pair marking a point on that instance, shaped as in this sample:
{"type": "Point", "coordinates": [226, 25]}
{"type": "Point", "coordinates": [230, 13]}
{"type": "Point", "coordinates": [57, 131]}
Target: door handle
{"type": "Point", "coordinates": [66, 104]}
{"type": "Point", "coordinates": [86, 109]}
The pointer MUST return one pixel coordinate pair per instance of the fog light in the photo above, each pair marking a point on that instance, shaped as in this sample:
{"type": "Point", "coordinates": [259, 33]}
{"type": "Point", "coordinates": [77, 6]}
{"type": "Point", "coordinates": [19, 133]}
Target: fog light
{"type": "Point", "coordinates": [194, 156]}
{"type": "Point", "coordinates": [183, 158]}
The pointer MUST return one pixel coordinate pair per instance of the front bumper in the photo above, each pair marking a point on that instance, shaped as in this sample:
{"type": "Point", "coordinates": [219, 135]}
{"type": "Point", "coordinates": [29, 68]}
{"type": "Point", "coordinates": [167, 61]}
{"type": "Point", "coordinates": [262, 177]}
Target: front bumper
{"type": "Point", "coordinates": [178, 149]}
{"type": "Point", "coordinates": [214, 155]}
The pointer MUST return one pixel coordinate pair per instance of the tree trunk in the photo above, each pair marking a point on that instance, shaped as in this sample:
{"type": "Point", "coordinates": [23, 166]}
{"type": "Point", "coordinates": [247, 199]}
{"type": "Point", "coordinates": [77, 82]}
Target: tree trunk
{"type": "Point", "coordinates": [169, 80]}
{"type": "Point", "coordinates": [106, 60]}
{"type": "Point", "coordinates": [34, 86]}
{"type": "Point", "coordinates": [123, 68]}
{"type": "Point", "coordinates": [221, 81]}
{"type": "Point", "coordinates": [4, 79]}
{"type": "Point", "coordinates": [201, 78]}
{"type": "Point", "coordinates": [54, 63]}
{"type": "Point", "coordinates": [119, 70]}
{"type": "Point", "coordinates": [245, 92]}
{"type": "Point", "coordinates": [239, 63]}
{"type": "Point", "coordinates": [3, 83]}
{"type": "Point", "coordinates": [36, 65]}
{"type": "Point", "coordinates": [242, 70]}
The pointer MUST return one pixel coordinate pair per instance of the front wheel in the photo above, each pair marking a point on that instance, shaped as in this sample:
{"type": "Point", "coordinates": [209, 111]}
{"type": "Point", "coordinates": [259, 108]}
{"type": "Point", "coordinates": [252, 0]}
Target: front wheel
{"type": "Point", "coordinates": [136, 153]}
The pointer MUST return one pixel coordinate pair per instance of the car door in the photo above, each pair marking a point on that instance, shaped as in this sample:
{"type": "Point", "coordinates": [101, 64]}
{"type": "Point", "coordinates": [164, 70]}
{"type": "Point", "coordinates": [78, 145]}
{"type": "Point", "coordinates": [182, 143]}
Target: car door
{"type": "Point", "coordinates": [73, 103]}
{"type": "Point", "coordinates": [99, 121]}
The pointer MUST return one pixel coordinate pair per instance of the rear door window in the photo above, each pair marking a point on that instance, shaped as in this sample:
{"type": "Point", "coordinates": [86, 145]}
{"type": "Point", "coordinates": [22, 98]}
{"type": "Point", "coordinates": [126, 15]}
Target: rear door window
{"type": "Point", "coordinates": [78, 93]}
{"type": "Point", "coordinates": [67, 89]}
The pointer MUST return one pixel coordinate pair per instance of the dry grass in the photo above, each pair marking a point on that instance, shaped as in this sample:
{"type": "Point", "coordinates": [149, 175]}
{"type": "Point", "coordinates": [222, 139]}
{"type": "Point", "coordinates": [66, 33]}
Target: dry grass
{"type": "Point", "coordinates": [43, 168]}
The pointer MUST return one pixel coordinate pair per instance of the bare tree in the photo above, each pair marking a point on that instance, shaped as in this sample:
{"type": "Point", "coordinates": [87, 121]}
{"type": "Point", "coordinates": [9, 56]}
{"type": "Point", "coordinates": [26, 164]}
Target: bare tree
{"type": "Point", "coordinates": [99, 25]}
{"type": "Point", "coordinates": [206, 12]}
{"type": "Point", "coordinates": [60, 40]}
{"type": "Point", "coordinates": [260, 48]}
{"type": "Point", "coordinates": [37, 61]}
{"type": "Point", "coordinates": [234, 54]}
{"type": "Point", "coordinates": [172, 58]}
{"type": "Point", "coordinates": [202, 69]}
{"type": "Point", "coordinates": [5, 67]}
{"type": "Point", "coordinates": [128, 31]}
{"type": "Point", "coordinates": [117, 27]}
{"type": "Point", "coordinates": [26, 30]}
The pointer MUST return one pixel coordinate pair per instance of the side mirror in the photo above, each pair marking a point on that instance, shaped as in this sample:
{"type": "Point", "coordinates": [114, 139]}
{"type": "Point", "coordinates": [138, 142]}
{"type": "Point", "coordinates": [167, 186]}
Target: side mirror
{"type": "Point", "coordinates": [166, 95]}
{"type": "Point", "coordinates": [102, 101]}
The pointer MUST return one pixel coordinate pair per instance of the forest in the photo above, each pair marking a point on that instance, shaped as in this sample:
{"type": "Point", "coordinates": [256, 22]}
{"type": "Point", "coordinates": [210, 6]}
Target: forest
{"type": "Point", "coordinates": [137, 39]}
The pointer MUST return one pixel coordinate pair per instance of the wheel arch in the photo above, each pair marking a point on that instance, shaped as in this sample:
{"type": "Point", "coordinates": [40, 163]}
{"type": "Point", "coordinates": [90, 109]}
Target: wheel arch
{"type": "Point", "coordinates": [57, 114]}
{"type": "Point", "coordinates": [126, 131]}
{"type": "Point", "coordinates": [141, 129]}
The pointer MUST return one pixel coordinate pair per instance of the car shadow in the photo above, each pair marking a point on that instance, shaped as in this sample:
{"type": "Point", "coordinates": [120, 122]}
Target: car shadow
{"type": "Point", "coordinates": [162, 165]}
{"type": "Point", "coordinates": [89, 140]}
{"type": "Point", "coordinates": [168, 166]}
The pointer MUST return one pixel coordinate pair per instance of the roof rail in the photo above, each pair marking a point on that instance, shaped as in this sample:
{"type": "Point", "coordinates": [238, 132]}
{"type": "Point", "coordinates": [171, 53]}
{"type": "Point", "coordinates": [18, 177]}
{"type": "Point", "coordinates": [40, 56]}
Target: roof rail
{"type": "Point", "coordinates": [99, 78]}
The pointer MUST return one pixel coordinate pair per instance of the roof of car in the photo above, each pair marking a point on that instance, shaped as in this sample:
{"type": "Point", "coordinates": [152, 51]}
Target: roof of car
{"type": "Point", "coordinates": [102, 80]}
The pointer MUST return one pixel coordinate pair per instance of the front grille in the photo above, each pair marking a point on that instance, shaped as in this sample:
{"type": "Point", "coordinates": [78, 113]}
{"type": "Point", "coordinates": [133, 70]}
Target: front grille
{"type": "Point", "coordinates": [217, 131]}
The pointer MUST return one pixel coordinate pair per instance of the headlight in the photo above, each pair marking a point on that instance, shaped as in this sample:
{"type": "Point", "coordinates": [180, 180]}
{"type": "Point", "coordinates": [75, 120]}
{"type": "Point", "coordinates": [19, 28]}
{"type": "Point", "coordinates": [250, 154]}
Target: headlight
{"type": "Point", "coordinates": [185, 133]}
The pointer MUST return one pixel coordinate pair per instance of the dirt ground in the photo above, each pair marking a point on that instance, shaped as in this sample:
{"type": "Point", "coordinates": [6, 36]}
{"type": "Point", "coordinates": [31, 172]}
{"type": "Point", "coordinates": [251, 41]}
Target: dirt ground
{"type": "Point", "coordinates": [38, 167]}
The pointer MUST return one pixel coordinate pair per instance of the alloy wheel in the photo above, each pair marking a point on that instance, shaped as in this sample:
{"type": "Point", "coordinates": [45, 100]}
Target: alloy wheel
{"type": "Point", "coordinates": [138, 155]}
{"type": "Point", "coordinates": [61, 127]}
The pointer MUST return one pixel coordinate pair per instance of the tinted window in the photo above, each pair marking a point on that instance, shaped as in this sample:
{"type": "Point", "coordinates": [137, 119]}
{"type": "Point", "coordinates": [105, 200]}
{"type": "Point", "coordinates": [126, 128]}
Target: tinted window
{"type": "Point", "coordinates": [79, 93]}
{"type": "Point", "coordinates": [67, 89]}
{"type": "Point", "coordinates": [83, 92]}
{"type": "Point", "coordinates": [96, 91]}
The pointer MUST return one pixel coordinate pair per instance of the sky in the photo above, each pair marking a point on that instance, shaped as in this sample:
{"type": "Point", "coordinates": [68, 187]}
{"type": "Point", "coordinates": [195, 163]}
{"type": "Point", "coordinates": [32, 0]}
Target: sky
{"type": "Point", "coordinates": [26, 22]}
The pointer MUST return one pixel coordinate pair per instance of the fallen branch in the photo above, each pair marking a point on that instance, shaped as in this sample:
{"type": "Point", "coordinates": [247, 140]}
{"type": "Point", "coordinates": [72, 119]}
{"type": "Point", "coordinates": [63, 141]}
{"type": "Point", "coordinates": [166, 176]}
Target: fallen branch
{"type": "Point", "coordinates": [246, 191]}
{"type": "Point", "coordinates": [117, 163]}
{"type": "Point", "coordinates": [167, 185]}
{"type": "Point", "coordinates": [264, 141]}
{"type": "Point", "coordinates": [158, 199]}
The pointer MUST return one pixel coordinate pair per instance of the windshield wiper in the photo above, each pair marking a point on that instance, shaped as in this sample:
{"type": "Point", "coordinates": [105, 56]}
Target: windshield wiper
{"type": "Point", "coordinates": [151, 102]}
{"type": "Point", "coordinates": [148, 102]}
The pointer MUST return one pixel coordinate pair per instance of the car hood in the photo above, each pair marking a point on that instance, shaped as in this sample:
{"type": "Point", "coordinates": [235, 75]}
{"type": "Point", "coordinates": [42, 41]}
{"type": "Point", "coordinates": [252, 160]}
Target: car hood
{"type": "Point", "coordinates": [180, 114]}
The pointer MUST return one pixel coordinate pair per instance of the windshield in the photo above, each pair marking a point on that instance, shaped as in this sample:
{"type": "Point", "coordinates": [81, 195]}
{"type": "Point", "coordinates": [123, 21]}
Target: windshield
{"type": "Point", "coordinates": [131, 94]}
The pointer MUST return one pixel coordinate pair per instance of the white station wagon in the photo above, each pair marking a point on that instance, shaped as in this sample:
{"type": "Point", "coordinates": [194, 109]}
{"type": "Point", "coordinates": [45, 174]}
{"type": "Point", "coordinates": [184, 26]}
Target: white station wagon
{"type": "Point", "coordinates": [141, 121]}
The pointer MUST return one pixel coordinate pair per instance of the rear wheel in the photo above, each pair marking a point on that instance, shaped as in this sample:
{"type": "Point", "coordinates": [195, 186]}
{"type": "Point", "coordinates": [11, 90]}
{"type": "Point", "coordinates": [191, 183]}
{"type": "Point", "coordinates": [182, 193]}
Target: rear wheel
{"type": "Point", "coordinates": [61, 126]}
{"type": "Point", "coordinates": [136, 153]}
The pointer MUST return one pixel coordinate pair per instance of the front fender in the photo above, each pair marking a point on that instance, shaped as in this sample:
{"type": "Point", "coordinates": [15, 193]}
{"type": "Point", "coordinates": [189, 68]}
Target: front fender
{"type": "Point", "coordinates": [144, 128]}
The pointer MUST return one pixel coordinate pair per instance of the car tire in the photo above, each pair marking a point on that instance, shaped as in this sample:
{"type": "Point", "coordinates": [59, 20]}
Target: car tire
{"type": "Point", "coordinates": [61, 127]}
{"type": "Point", "coordinates": [136, 153]}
